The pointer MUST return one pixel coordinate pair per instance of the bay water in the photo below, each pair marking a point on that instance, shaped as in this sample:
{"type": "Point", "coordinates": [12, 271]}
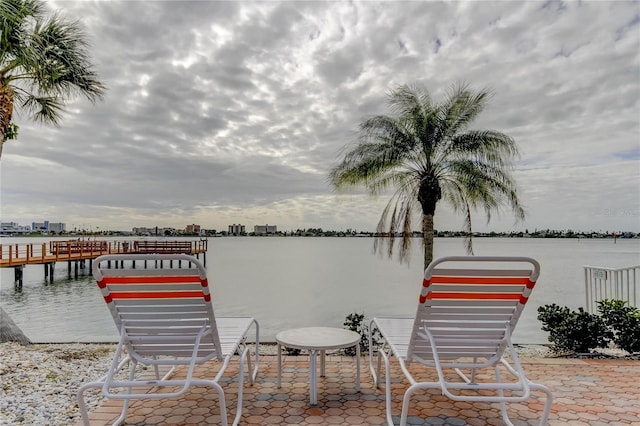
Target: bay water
{"type": "Point", "coordinates": [287, 282]}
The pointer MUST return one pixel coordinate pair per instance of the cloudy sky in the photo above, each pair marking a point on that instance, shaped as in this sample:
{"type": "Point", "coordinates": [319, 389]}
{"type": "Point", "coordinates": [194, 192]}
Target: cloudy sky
{"type": "Point", "coordinates": [233, 112]}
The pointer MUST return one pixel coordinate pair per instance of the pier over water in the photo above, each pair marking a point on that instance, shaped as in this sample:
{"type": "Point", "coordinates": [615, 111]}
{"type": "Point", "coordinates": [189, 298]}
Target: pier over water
{"type": "Point", "coordinates": [77, 252]}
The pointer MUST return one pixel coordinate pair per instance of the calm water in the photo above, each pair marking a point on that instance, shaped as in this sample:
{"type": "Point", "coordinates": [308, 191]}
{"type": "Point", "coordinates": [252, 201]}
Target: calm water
{"type": "Point", "coordinates": [286, 282]}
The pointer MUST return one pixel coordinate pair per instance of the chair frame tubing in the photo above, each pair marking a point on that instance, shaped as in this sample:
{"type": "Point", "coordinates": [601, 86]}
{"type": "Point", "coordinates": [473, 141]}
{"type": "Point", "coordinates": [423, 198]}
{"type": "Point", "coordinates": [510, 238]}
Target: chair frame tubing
{"type": "Point", "coordinates": [520, 386]}
{"type": "Point", "coordinates": [126, 356]}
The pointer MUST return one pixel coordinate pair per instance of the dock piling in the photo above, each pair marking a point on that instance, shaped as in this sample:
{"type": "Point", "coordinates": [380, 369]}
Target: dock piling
{"type": "Point", "coordinates": [18, 273]}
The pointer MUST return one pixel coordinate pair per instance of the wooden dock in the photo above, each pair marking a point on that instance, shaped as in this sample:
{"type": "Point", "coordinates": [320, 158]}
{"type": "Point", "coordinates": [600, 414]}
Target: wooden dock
{"type": "Point", "coordinates": [77, 252]}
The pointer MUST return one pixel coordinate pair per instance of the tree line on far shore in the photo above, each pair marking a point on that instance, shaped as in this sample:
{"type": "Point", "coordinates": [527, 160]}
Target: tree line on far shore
{"type": "Point", "coordinates": [319, 232]}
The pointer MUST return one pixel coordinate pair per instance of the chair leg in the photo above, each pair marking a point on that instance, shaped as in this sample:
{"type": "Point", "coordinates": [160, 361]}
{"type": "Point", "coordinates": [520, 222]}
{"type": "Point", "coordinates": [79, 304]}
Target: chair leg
{"type": "Point", "coordinates": [223, 403]}
{"type": "Point", "coordinates": [405, 403]}
{"type": "Point", "coordinates": [248, 365]}
{"type": "Point", "coordinates": [387, 387]}
{"type": "Point", "coordinates": [125, 402]}
{"type": "Point", "coordinates": [245, 355]}
{"type": "Point", "coordinates": [547, 404]}
{"type": "Point", "coordinates": [82, 405]}
{"type": "Point", "coordinates": [253, 372]}
{"type": "Point", "coordinates": [371, 369]}
{"type": "Point", "coordinates": [375, 371]}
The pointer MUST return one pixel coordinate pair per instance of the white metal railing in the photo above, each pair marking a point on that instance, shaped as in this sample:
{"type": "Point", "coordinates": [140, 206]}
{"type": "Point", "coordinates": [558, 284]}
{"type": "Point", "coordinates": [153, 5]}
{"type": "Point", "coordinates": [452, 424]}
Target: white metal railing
{"type": "Point", "coordinates": [611, 283]}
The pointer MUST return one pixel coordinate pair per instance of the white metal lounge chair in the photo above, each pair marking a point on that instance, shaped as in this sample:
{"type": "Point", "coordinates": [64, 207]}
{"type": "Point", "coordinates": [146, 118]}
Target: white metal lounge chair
{"type": "Point", "coordinates": [467, 311]}
{"type": "Point", "coordinates": [165, 318]}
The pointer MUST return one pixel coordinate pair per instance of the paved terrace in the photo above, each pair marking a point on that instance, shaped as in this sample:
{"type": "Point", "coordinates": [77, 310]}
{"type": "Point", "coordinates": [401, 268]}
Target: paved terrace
{"type": "Point", "coordinates": [586, 392]}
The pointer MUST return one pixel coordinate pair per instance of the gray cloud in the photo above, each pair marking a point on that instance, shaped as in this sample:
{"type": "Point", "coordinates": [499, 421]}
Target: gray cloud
{"type": "Point", "coordinates": [228, 112]}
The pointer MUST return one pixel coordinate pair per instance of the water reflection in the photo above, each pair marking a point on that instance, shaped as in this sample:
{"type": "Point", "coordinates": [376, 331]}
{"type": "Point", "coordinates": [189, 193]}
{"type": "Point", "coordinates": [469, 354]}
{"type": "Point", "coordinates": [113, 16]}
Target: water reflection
{"type": "Point", "coordinates": [306, 282]}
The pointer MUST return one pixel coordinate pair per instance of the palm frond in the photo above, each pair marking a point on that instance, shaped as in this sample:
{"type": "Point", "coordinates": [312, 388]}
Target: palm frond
{"type": "Point", "coordinates": [485, 145]}
{"type": "Point", "coordinates": [396, 218]}
{"type": "Point", "coordinates": [487, 185]}
{"type": "Point", "coordinates": [44, 109]}
{"type": "Point", "coordinates": [44, 59]}
{"type": "Point", "coordinates": [407, 232]}
{"type": "Point", "coordinates": [382, 147]}
{"type": "Point", "coordinates": [460, 109]}
{"type": "Point", "coordinates": [62, 64]}
{"type": "Point", "coordinates": [16, 18]}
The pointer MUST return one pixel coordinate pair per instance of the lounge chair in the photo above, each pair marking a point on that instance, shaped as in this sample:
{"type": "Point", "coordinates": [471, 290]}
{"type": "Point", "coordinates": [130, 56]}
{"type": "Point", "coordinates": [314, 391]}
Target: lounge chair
{"type": "Point", "coordinates": [467, 311]}
{"type": "Point", "coordinates": [161, 304]}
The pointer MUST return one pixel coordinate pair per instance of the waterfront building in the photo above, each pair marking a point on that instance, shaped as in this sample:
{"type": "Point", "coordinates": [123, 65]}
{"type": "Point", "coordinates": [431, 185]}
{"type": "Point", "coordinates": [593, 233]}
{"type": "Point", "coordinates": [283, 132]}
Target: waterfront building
{"type": "Point", "coordinates": [13, 228]}
{"type": "Point", "coordinates": [236, 229]}
{"type": "Point", "coordinates": [142, 231]}
{"type": "Point", "coordinates": [265, 229]}
{"type": "Point", "coordinates": [57, 228]}
{"type": "Point", "coordinates": [192, 229]}
{"type": "Point", "coordinates": [46, 226]}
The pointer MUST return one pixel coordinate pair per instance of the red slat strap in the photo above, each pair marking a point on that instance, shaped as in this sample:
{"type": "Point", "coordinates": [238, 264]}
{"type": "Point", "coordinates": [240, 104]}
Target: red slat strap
{"type": "Point", "coordinates": [479, 280]}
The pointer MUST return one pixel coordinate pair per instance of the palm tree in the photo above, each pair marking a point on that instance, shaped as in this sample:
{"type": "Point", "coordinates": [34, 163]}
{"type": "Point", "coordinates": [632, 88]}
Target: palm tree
{"type": "Point", "coordinates": [43, 63]}
{"type": "Point", "coordinates": [427, 153]}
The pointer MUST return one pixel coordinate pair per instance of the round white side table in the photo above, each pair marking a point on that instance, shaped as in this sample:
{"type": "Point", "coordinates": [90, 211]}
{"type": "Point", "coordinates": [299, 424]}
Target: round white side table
{"type": "Point", "coordinates": [318, 339]}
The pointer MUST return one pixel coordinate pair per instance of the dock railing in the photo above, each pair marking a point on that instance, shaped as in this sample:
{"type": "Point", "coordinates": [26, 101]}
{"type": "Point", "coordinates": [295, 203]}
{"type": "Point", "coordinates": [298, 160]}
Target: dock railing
{"type": "Point", "coordinates": [611, 283]}
{"type": "Point", "coordinates": [20, 254]}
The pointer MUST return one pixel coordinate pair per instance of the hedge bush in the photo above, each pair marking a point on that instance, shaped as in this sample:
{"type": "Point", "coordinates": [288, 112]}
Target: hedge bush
{"type": "Point", "coordinates": [623, 321]}
{"type": "Point", "coordinates": [579, 332]}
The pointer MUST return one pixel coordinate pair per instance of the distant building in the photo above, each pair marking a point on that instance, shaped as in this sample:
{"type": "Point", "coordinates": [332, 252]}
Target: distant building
{"type": "Point", "coordinates": [265, 229]}
{"type": "Point", "coordinates": [40, 226]}
{"type": "Point", "coordinates": [47, 226]}
{"type": "Point", "coordinates": [154, 231]}
{"type": "Point", "coordinates": [57, 228]}
{"type": "Point", "coordinates": [12, 228]}
{"type": "Point", "coordinates": [192, 229]}
{"type": "Point", "coordinates": [236, 229]}
{"type": "Point", "coordinates": [141, 231]}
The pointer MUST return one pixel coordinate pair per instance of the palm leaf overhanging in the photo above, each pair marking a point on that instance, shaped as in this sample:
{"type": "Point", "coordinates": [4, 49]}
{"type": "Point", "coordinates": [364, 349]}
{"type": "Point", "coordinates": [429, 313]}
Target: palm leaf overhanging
{"type": "Point", "coordinates": [44, 61]}
{"type": "Point", "coordinates": [426, 152]}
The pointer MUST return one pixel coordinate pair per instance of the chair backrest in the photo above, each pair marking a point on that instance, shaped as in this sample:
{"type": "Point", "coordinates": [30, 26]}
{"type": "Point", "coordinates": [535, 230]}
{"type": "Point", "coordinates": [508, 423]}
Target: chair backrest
{"type": "Point", "coordinates": [469, 306]}
{"type": "Point", "coordinates": [161, 306]}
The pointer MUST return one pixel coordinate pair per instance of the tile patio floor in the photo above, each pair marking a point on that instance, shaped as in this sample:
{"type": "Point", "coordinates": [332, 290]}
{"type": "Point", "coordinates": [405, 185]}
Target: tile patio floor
{"type": "Point", "coordinates": [586, 392]}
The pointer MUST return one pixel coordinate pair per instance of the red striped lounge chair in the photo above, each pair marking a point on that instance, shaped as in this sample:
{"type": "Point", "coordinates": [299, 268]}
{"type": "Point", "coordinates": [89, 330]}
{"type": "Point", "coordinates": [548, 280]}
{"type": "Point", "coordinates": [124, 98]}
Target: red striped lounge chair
{"type": "Point", "coordinates": [468, 308]}
{"type": "Point", "coordinates": [162, 308]}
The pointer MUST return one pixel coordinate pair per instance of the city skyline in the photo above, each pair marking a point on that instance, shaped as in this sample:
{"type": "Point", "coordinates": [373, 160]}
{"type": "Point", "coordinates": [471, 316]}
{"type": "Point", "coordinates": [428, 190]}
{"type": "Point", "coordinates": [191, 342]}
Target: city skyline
{"type": "Point", "coordinates": [240, 229]}
{"type": "Point", "coordinates": [227, 112]}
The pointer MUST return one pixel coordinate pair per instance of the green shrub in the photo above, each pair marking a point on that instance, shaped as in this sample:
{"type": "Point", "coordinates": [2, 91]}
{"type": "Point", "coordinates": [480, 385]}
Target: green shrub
{"type": "Point", "coordinates": [356, 322]}
{"type": "Point", "coordinates": [291, 351]}
{"type": "Point", "coordinates": [623, 321]}
{"type": "Point", "coordinates": [573, 331]}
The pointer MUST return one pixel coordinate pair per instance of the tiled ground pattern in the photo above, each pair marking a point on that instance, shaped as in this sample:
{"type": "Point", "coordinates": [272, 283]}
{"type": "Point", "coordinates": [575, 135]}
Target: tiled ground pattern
{"type": "Point", "coordinates": [586, 393]}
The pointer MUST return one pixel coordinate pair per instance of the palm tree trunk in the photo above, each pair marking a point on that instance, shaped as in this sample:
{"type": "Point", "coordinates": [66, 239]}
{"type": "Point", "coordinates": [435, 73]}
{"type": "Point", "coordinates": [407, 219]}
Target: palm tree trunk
{"type": "Point", "coordinates": [6, 112]}
{"type": "Point", "coordinates": [427, 238]}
